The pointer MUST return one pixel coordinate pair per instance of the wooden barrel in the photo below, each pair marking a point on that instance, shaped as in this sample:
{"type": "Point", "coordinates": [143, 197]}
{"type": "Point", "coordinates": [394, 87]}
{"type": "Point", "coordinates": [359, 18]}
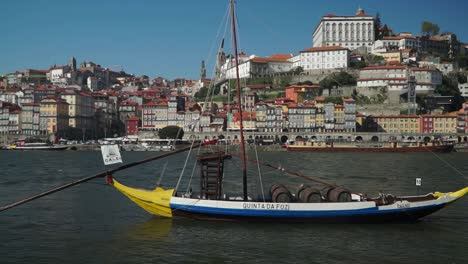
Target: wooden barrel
{"type": "Point", "coordinates": [280, 194]}
{"type": "Point", "coordinates": [311, 195]}
{"type": "Point", "coordinates": [326, 192]}
{"type": "Point", "coordinates": [276, 186]}
{"type": "Point", "coordinates": [299, 191]}
{"type": "Point", "coordinates": [339, 194]}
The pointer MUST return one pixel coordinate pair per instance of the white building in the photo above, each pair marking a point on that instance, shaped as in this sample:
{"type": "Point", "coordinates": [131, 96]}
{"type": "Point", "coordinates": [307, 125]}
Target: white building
{"type": "Point", "coordinates": [253, 66]}
{"type": "Point", "coordinates": [351, 32]}
{"type": "Point", "coordinates": [318, 58]}
{"type": "Point", "coordinates": [427, 79]}
{"type": "Point", "coordinates": [444, 67]}
{"type": "Point", "coordinates": [399, 42]}
{"type": "Point", "coordinates": [58, 74]}
{"type": "Point", "coordinates": [395, 78]}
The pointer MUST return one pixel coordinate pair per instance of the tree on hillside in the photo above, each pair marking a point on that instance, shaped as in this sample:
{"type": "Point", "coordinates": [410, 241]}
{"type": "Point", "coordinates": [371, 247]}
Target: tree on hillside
{"type": "Point", "coordinates": [377, 25]}
{"type": "Point", "coordinates": [358, 65]}
{"type": "Point", "coordinates": [171, 132]}
{"type": "Point", "coordinates": [337, 79]}
{"type": "Point", "coordinates": [449, 87]}
{"type": "Point", "coordinates": [297, 70]}
{"type": "Point", "coordinates": [386, 32]}
{"type": "Point", "coordinates": [462, 61]}
{"type": "Point", "coordinates": [201, 94]}
{"type": "Point", "coordinates": [334, 99]}
{"type": "Point", "coordinates": [429, 29]}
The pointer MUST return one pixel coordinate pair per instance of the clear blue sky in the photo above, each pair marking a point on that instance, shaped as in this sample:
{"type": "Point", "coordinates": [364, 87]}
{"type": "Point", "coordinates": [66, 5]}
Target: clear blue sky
{"type": "Point", "coordinates": [170, 38]}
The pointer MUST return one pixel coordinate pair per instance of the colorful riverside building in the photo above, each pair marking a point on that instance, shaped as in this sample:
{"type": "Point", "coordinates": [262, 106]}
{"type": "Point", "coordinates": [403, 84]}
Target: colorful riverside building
{"type": "Point", "coordinates": [301, 118]}
{"type": "Point", "coordinates": [411, 124]}
{"type": "Point", "coordinates": [462, 119]}
{"type": "Point", "coordinates": [53, 116]}
{"type": "Point", "coordinates": [30, 119]}
{"type": "Point", "coordinates": [154, 115]}
{"type": "Point", "coordinates": [442, 123]}
{"type": "Point", "coordinates": [8, 117]}
{"type": "Point", "coordinates": [319, 116]}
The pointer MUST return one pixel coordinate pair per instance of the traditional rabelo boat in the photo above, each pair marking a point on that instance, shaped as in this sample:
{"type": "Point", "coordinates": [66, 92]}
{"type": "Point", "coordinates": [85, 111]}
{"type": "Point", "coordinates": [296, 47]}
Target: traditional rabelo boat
{"type": "Point", "coordinates": [328, 204]}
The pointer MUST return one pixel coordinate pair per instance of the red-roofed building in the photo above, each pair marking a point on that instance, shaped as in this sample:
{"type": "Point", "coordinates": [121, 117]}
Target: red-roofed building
{"type": "Point", "coordinates": [300, 93]}
{"type": "Point", "coordinates": [248, 118]}
{"type": "Point", "coordinates": [154, 115]}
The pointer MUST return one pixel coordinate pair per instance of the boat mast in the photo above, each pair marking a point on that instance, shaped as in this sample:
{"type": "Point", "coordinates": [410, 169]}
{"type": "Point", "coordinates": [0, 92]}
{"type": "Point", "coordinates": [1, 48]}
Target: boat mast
{"type": "Point", "coordinates": [241, 126]}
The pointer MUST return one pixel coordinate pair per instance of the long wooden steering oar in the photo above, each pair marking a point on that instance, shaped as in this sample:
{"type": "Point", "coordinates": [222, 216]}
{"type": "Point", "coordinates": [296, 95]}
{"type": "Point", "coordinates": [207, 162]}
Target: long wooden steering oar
{"type": "Point", "coordinates": [99, 175]}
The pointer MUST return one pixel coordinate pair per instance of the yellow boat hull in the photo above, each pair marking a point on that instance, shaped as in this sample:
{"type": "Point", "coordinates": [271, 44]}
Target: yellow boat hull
{"type": "Point", "coordinates": [155, 201]}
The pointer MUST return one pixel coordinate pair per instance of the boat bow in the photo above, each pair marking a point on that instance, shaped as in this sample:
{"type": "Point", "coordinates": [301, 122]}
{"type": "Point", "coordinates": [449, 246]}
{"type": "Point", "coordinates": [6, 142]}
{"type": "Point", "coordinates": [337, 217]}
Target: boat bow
{"type": "Point", "coordinates": [456, 195]}
{"type": "Point", "coordinates": [155, 201]}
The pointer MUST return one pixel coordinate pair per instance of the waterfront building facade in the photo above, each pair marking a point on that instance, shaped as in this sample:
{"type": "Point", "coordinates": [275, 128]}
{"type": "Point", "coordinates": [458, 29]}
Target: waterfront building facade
{"type": "Point", "coordinates": [53, 116]}
{"type": "Point", "coordinates": [30, 119]}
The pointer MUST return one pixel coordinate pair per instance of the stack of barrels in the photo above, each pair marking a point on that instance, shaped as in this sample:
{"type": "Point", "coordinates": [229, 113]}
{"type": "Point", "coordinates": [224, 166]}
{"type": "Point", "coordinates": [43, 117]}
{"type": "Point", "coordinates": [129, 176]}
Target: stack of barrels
{"type": "Point", "coordinates": [306, 194]}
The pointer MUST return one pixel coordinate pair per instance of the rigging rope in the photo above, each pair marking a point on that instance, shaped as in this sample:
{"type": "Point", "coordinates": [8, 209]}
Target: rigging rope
{"type": "Point", "coordinates": [161, 175]}
{"type": "Point", "coordinates": [185, 165]}
{"type": "Point", "coordinates": [258, 167]}
{"type": "Point", "coordinates": [450, 165]}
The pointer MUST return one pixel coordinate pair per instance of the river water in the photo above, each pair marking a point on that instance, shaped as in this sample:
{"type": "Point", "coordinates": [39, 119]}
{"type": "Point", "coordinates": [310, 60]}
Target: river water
{"type": "Point", "coordinates": [93, 223]}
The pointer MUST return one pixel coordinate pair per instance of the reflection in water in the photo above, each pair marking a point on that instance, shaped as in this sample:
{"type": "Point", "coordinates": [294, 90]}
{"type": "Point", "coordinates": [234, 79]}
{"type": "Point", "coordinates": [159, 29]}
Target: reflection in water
{"type": "Point", "coordinates": [155, 228]}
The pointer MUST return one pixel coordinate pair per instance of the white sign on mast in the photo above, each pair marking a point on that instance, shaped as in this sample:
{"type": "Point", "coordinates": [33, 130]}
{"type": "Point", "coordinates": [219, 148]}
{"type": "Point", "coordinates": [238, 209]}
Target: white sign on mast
{"type": "Point", "coordinates": [111, 154]}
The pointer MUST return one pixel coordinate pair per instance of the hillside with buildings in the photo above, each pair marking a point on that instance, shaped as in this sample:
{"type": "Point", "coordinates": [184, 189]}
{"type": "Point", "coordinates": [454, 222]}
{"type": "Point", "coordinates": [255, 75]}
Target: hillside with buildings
{"type": "Point", "coordinates": [357, 76]}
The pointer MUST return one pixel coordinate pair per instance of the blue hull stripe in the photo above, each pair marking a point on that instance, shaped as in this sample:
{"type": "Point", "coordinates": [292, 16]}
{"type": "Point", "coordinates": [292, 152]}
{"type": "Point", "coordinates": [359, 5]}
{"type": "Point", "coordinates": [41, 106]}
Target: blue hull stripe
{"type": "Point", "coordinates": [298, 214]}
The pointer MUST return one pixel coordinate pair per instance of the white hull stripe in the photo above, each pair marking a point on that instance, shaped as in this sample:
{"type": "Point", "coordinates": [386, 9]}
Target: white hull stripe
{"type": "Point", "coordinates": [239, 208]}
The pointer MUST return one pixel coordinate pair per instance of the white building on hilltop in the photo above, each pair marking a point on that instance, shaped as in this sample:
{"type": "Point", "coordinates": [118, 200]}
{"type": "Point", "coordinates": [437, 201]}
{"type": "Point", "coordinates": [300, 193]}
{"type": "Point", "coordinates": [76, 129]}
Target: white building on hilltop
{"type": "Point", "coordinates": [351, 32]}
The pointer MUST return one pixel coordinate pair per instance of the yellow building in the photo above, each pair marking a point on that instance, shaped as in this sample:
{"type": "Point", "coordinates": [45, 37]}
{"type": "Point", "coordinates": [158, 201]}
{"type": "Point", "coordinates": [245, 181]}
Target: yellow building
{"type": "Point", "coordinates": [339, 118]}
{"type": "Point", "coordinates": [53, 116]}
{"type": "Point", "coordinates": [391, 57]}
{"type": "Point", "coordinates": [445, 123]}
{"type": "Point", "coordinates": [397, 123]}
{"type": "Point", "coordinates": [319, 116]}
